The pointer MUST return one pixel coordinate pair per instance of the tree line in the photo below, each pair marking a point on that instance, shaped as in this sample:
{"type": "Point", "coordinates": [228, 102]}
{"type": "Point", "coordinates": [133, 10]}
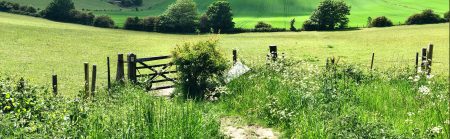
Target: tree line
{"type": "Point", "coordinates": [182, 17]}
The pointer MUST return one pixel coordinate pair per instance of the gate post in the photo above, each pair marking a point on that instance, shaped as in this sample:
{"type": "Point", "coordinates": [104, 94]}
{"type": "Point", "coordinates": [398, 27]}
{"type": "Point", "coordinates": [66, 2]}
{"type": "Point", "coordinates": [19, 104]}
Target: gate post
{"type": "Point", "coordinates": [120, 72]}
{"type": "Point", "coordinates": [131, 59]}
{"type": "Point", "coordinates": [273, 52]}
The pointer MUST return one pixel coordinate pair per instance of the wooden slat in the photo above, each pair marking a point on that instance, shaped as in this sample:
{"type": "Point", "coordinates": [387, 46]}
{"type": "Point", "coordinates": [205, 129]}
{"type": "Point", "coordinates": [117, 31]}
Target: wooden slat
{"type": "Point", "coordinates": [153, 66]}
{"type": "Point", "coordinates": [152, 58]}
{"type": "Point", "coordinates": [163, 80]}
{"type": "Point", "coordinates": [153, 74]}
{"type": "Point", "coordinates": [163, 87]}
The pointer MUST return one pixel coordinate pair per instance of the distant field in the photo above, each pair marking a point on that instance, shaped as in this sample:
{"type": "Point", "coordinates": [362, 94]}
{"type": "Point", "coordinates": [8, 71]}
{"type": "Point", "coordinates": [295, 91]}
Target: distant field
{"type": "Point", "coordinates": [35, 48]}
{"type": "Point", "coordinates": [276, 12]}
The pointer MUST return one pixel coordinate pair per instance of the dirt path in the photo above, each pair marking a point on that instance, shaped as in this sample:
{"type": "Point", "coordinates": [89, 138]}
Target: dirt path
{"type": "Point", "coordinates": [233, 128]}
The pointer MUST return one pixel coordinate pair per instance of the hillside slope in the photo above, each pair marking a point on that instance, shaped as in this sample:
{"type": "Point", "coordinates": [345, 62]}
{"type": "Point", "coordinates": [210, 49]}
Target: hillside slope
{"type": "Point", "coordinates": [276, 12]}
{"type": "Point", "coordinates": [35, 48]}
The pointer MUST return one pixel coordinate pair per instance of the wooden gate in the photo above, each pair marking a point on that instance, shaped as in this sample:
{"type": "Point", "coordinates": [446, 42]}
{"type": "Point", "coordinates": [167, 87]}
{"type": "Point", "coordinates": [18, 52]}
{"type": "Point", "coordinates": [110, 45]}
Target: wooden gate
{"type": "Point", "coordinates": [156, 73]}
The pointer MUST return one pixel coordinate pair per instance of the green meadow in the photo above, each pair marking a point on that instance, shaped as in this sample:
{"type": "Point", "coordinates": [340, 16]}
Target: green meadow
{"type": "Point", "coordinates": [276, 12]}
{"type": "Point", "coordinates": [36, 48]}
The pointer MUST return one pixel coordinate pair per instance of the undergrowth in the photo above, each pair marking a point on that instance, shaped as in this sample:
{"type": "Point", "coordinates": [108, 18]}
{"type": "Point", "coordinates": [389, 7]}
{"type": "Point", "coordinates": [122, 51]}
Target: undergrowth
{"type": "Point", "coordinates": [341, 101]}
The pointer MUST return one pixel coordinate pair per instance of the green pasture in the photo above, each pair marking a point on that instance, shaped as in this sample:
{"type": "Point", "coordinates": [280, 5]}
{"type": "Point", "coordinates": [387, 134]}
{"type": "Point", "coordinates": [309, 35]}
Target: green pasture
{"type": "Point", "coordinates": [276, 12]}
{"type": "Point", "coordinates": [36, 48]}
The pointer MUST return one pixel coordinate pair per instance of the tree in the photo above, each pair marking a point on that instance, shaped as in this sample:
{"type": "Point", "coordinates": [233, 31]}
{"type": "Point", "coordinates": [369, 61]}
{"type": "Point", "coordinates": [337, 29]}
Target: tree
{"type": "Point", "coordinates": [293, 25]}
{"type": "Point", "coordinates": [426, 17]}
{"type": "Point", "coordinates": [103, 21]}
{"type": "Point", "coordinates": [134, 23]}
{"type": "Point", "coordinates": [331, 14]}
{"type": "Point", "coordinates": [369, 22]}
{"type": "Point", "coordinates": [220, 16]}
{"type": "Point", "coordinates": [381, 21]}
{"type": "Point", "coordinates": [151, 24]}
{"type": "Point", "coordinates": [204, 25]}
{"type": "Point", "coordinates": [180, 17]}
{"type": "Point", "coordinates": [59, 10]}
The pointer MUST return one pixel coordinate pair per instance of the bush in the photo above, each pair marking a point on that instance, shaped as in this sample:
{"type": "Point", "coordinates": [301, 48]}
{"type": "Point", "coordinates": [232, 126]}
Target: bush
{"type": "Point", "coordinates": [220, 17]}
{"type": "Point", "coordinates": [129, 3]}
{"type": "Point", "coordinates": [17, 9]}
{"type": "Point", "coordinates": [426, 17]}
{"type": "Point", "coordinates": [103, 21]}
{"type": "Point", "coordinates": [447, 16]}
{"type": "Point", "coordinates": [81, 17]}
{"type": "Point", "coordinates": [201, 67]}
{"type": "Point", "coordinates": [381, 21]}
{"type": "Point", "coordinates": [331, 14]}
{"type": "Point", "coordinates": [180, 17]}
{"type": "Point", "coordinates": [309, 25]}
{"type": "Point", "coordinates": [134, 23]}
{"type": "Point", "coordinates": [59, 10]}
{"type": "Point", "coordinates": [151, 24]}
{"type": "Point", "coordinates": [262, 25]}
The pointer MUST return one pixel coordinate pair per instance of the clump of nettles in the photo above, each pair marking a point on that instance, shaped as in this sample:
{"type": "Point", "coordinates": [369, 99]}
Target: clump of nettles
{"type": "Point", "coordinates": [201, 68]}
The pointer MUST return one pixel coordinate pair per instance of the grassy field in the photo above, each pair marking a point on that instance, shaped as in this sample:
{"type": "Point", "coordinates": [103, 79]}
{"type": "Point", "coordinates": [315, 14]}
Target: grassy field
{"type": "Point", "coordinates": [36, 48]}
{"type": "Point", "coordinates": [249, 12]}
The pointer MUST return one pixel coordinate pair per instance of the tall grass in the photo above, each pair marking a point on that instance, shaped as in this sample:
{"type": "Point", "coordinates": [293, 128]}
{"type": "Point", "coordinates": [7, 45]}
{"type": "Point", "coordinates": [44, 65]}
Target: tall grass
{"type": "Point", "coordinates": [128, 113]}
{"type": "Point", "coordinates": [345, 101]}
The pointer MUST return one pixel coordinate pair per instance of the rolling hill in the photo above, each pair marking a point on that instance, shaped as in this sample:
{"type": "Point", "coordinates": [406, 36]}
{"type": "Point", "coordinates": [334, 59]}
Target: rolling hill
{"type": "Point", "coordinates": [276, 12]}
{"type": "Point", "coordinates": [35, 48]}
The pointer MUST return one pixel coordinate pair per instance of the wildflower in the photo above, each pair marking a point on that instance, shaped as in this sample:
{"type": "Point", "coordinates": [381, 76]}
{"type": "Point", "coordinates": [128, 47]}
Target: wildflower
{"type": "Point", "coordinates": [436, 130]}
{"type": "Point", "coordinates": [424, 90]}
{"type": "Point", "coordinates": [410, 114]}
{"type": "Point", "coordinates": [416, 78]}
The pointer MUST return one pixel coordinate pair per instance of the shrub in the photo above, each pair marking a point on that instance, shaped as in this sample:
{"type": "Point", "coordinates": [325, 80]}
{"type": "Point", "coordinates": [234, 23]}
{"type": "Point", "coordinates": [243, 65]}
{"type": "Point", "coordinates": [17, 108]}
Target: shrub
{"type": "Point", "coordinates": [81, 17]}
{"type": "Point", "coordinates": [17, 9]}
{"type": "Point", "coordinates": [269, 30]}
{"type": "Point", "coordinates": [180, 17]}
{"type": "Point", "coordinates": [129, 3]}
{"type": "Point", "coordinates": [426, 17]}
{"type": "Point", "coordinates": [220, 16]}
{"type": "Point", "coordinates": [134, 23]}
{"type": "Point", "coordinates": [103, 21]}
{"type": "Point", "coordinates": [381, 21]}
{"type": "Point", "coordinates": [292, 28]}
{"type": "Point", "coordinates": [309, 25]}
{"type": "Point", "coordinates": [204, 25]}
{"type": "Point", "coordinates": [59, 10]}
{"type": "Point", "coordinates": [262, 25]}
{"type": "Point", "coordinates": [447, 16]}
{"type": "Point", "coordinates": [151, 24]}
{"type": "Point", "coordinates": [201, 67]}
{"type": "Point", "coordinates": [331, 14]}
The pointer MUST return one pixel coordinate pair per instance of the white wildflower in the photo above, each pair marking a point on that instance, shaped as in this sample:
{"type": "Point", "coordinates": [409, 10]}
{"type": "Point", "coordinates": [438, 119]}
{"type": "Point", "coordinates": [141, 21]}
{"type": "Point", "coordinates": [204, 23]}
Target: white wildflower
{"type": "Point", "coordinates": [436, 130]}
{"type": "Point", "coordinates": [410, 114]}
{"type": "Point", "coordinates": [424, 90]}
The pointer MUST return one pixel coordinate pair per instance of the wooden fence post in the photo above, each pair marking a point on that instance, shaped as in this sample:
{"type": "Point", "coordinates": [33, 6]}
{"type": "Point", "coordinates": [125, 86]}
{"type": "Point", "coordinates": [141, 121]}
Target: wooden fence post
{"type": "Point", "coordinates": [424, 59]}
{"type": "Point", "coordinates": [371, 64]}
{"type": "Point", "coordinates": [109, 73]}
{"type": "Point", "coordinates": [430, 58]}
{"type": "Point", "coordinates": [273, 52]}
{"type": "Point", "coordinates": [131, 59]}
{"type": "Point", "coordinates": [120, 71]}
{"type": "Point", "coordinates": [234, 56]}
{"type": "Point", "coordinates": [417, 62]}
{"type": "Point", "coordinates": [86, 79]}
{"type": "Point", "coordinates": [94, 76]}
{"type": "Point", "coordinates": [55, 84]}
